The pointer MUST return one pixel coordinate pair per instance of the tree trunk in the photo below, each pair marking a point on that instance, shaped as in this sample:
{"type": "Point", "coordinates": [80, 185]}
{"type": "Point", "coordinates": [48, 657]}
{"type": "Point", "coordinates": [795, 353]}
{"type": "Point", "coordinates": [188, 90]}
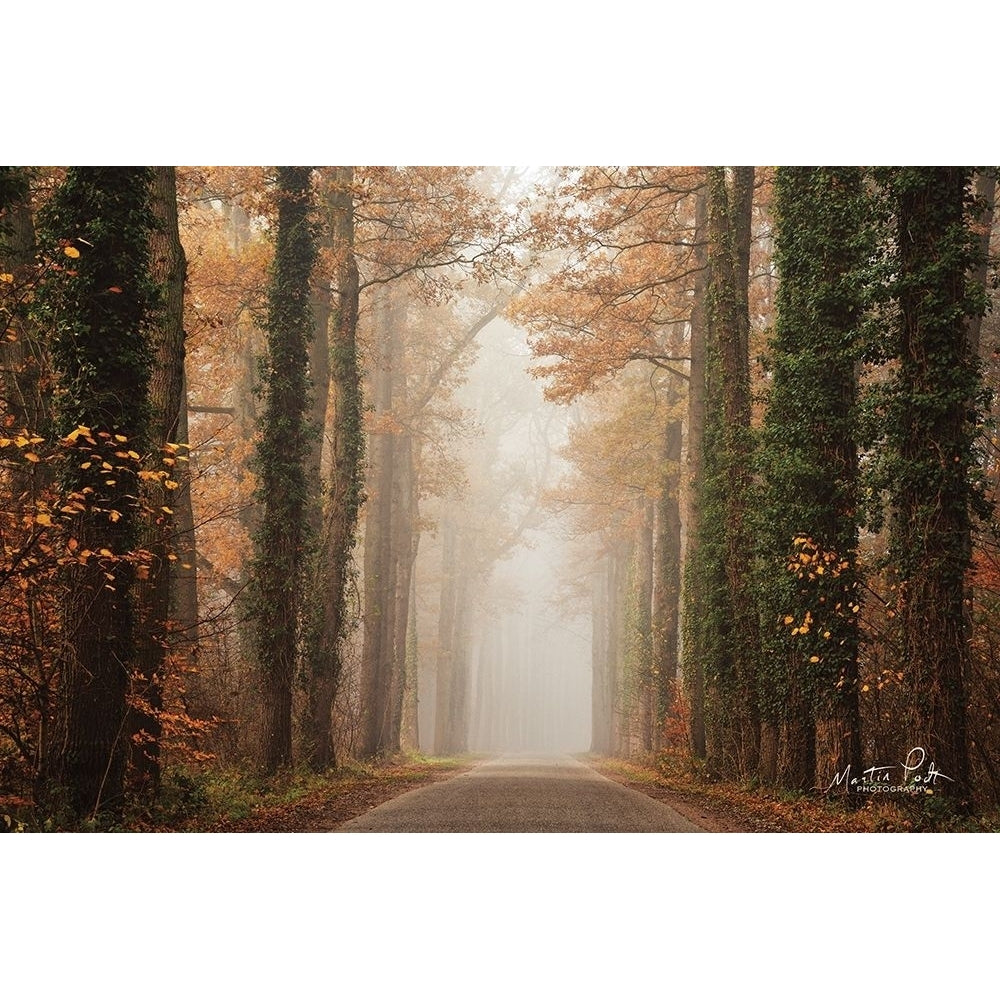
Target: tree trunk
{"type": "Point", "coordinates": [643, 639]}
{"type": "Point", "coordinates": [102, 213]}
{"type": "Point", "coordinates": [733, 688]}
{"type": "Point", "coordinates": [694, 653]}
{"type": "Point", "coordinates": [406, 540]}
{"type": "Point", "coordinates": [184, 592]}
{"type": "Point", "coordinates": [667, 582]}
{"type": "Point", "coordinates": [343, 497]}
{"type": "Point", "coordinates": [936, 419]}
{"type": "Point", "coordinates": [377, 655]}
{"type": "Point", "coordinates": [277, 574]}
{"type": "Point", "coordinates": [600, 742]}
{"type": "Point", "coordinates": [25, 366]}
{"type": "Point", "coordinates": [168, 269]}
{"type": "Point", "coordinates": [446, 636]}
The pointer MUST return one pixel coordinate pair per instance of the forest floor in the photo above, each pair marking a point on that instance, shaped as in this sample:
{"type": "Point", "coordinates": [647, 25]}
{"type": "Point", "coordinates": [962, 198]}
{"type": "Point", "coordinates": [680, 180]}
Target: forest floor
{"type": "Point", "coordinates": [730, 807]}
{"type": "Point", "coordinates": [294, 803]}
{"type": "Point", "coordinates": [221, 801]}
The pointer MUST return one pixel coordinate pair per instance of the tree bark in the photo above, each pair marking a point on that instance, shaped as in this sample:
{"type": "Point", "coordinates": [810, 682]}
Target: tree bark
{"type": "Point", "coordinates": [728, 396]}
{"type": "Point", "coordinates": [667, 582]}
{"type": "Point", "coordinates": [168, 268]}
{"type": "Point", "coordinates": [600, 673]}
{"type": "Point", "coordinates": [377, 655]}
{"type": "Point", "coordinates": [103, 214]}
{"type": "Point", "coordinates": [343, 497]}
{"type": "Point", "coordinates": [936, 419]}
{"type": "Point", "coordinates": [277, 575]}
{"type": "Point", "coordinates": [693, 666]}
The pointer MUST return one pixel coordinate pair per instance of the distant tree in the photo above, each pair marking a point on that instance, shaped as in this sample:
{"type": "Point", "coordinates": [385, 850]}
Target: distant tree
{"type": "Point", "coordinates": [97, 302]}
{"type": "Point", "coordinates": [275, 588]}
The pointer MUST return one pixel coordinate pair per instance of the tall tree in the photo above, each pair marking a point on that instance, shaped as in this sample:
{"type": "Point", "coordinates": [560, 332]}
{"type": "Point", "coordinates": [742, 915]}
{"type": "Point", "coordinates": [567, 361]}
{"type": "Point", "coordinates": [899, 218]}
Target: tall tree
{"type": "Point", "coordinates": [342, 499]}
{"type": "Point", "coordinates": [720, 608]}
{"type": "Point", "coordinates": [153, 591]}
{"type": "Point", "coordinates": [279, 541]}
{"type": "Point", "coordinates": [808, 514]}
{"type": "Point", "coordinates": [97, 304]}
{"type": "Point", "coordinates": [933, 418]}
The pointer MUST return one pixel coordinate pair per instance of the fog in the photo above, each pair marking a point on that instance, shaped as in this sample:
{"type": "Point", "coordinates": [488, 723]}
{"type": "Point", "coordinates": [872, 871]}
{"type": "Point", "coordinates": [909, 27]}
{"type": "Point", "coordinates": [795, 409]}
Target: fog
{"type": "Point", "coordinates": [528, 650]}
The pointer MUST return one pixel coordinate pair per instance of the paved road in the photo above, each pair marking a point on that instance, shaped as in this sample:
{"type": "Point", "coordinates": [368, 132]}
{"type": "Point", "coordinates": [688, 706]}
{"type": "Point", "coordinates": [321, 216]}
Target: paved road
{"type": "Point", "coordinates": [522, 794]}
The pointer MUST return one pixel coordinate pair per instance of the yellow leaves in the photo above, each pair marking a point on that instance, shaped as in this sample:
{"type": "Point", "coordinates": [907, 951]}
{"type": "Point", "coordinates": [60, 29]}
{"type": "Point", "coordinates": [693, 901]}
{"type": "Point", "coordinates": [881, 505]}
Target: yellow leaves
{"type": "Point", "coordinates": [814, 659]}
{"type": "Point", "coordinates": [6, 278]}
{"type": "Point", "coordinates": [43, 519]}
{"type": "Point", "coordinates": [31, 456]}
{"type": "Point", "coordinates": [789, 619]}
{"type": "Point", "coordinates": [71, 252]}
{"type": "Point", "coordinates": [865, 687]}
{"type": "Point", "coordinates": [74, 435]}
{"type": "Point", "coordinates": [114, 516]}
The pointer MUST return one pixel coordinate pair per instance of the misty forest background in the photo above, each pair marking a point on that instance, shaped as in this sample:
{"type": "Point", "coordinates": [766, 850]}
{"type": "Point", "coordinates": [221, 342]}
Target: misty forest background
{"type": "Point", "coordinates": [308, 469]}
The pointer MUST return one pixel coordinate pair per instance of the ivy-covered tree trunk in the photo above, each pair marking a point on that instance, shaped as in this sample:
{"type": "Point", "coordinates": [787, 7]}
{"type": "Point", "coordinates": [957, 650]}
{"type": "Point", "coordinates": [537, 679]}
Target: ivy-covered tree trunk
{"type": "Point", "coordinates": [25, 365]}
{"type": "Point", "coordinates": [343, 495]}
{"type": "Point", "coordinates": [726, 641]}
{"type": "Point", "coordinates": [933, 420]}
{"type": "Point", "coordinates": [167, 267]}
{"type": "Point", "coordinates": [280, 537]}
{"type": "Point", "coordinates": [808, 512]}
{"type": "Point", "coordinates": [97, 305]}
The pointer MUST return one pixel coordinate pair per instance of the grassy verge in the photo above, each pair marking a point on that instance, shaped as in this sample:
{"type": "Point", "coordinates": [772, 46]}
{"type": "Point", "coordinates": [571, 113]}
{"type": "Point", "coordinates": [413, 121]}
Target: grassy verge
{"type": "Point", "coordinates": [295, 801]}
{"type": "Point", "coordinates": [229, 800]}
{"type": "Point", "coordinates": [730, 807]}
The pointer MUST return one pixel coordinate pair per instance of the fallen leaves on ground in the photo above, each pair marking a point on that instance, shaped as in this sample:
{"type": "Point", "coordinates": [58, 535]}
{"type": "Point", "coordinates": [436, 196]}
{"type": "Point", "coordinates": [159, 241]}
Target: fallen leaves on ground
{"type": "Point", "coordinates": [728, 807]}
{"type": "Point", "coordinates": [336, 798]}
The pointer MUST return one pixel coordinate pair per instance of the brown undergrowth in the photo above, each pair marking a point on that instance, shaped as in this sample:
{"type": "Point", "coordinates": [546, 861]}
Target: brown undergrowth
{"type": "Point", "coordinates": [302, 802]}
{"type": "Point", "coordinates": [729, 807]}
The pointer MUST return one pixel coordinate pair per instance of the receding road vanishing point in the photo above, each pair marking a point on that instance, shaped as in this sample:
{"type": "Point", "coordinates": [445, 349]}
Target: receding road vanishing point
{"type": "Point", "coordinates": [523, 794]}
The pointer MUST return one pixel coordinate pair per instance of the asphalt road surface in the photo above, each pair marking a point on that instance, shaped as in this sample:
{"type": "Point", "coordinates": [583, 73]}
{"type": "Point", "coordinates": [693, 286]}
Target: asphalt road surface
{"type": "Point", "coordinates": [522, 794]}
